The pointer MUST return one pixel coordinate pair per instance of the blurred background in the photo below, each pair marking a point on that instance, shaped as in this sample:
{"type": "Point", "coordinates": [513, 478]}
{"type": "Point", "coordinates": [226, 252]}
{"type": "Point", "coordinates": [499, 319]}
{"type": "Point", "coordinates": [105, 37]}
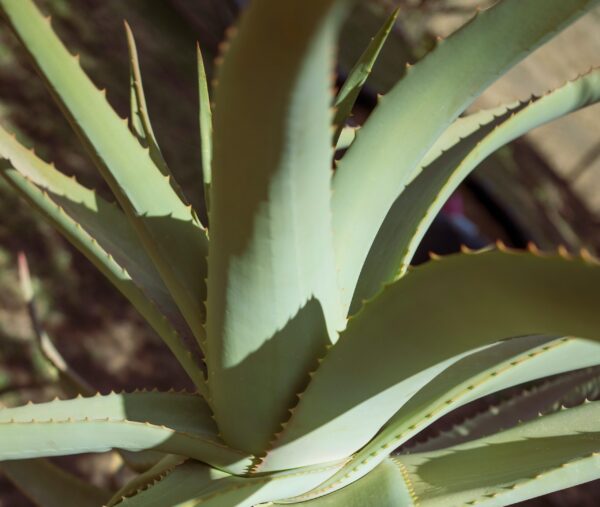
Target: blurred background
{"type": "Point", "coordinates": [544, 188]}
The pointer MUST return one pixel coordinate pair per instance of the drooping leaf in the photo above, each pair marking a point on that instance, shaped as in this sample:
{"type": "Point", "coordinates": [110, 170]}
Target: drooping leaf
{"type": "Point", "coordinates": [358, 75]}
{"type": "Point", "coordinates": [50, 486]}
{"type": "Point", "coordinates": [409, 119]}
{"type": "Point", "coordinates": [499, 367]}
{"type": "Point", "coordinates": [171, 423]}
{"type": "Point", "coordinates": [166, 226]}
{"type": "Point", "coordinates": [271, 251]}
{"type": "Point", "coordinates": [535, 458]}
{"type": "Point", "coordinates": [102, 233]}
{"type": "Point", "coordinates": [391, 349]}
{"type": "Point", "coordinates": [416, 207]}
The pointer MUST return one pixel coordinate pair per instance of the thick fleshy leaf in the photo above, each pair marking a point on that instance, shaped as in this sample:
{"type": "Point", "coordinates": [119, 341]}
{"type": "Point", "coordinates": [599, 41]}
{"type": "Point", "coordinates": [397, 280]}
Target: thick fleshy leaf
{"type": "Point", "coordinates": [357, 77]}
{"type": "Point", "coordinates": [409, 119]}
{"type": "Point", "coordinates": [272, 279]}
{"type": "Point", "coordinates": [50, 486]}
{"type": "Point", "coordinates": [384, 487]}
{"type": "Point", "coordinates": [415, 209]}
{"type": "Point", "coordinates": [166, 226]}
{"type": "Point", "coordinates": [551, 396]}
{"type": "Point", "coordinates": [206, 128]}
{"type": "Point", "coordinates": [102, 233]}
{"type": "Point", "coordinates": [550, 453]}
{"type": "Point", "coordinates": [499, 367]}
{"type": "Point", "coordinates": [390, 350]}
{"type": "Point", "coordinates": [172, 423]}
{"type": "Point", "coordinates": [194, 483]}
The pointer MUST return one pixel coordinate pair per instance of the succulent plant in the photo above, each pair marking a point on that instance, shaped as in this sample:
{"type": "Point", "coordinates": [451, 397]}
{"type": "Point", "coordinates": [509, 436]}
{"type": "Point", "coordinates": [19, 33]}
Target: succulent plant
{"type": "Point", "coordinates": [323, 351]}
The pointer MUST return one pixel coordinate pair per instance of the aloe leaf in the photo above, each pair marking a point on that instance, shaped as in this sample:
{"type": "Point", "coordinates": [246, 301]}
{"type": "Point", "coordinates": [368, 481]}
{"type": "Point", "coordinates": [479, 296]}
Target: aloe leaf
{"type": "Point", "coordinates": [166, 226]}
{"type": "Point", "coordinates": [346, 138]}
{"type": "Point", "coordinates": [194, 483]}
{"type": "Point", "coordinates": [416, 207]}
{"type": "Point", "coordinates": [535, 458]}
{"type": "Point", "coordinates": [276, 215]}
{"type": "Point", "coordinates": [409, 119]}
{"type": "Point", "coordinates": [389, 351]}
{"type": "Point", "coordinates": [505, 365]}
{"type": "Point", "coordinates": [358, 75]}
{"type": "Point", "coordinates": [147, 478]}
{"type": "Point", "coordinates": [529, 404]}
{"type": "Point", "coordinates": [102, 233]}
{"type": "Point", "coordinates": [206, 127]}
{"type": "Point", "coordinates": [49, 486]}
{"type": "Point", "coordinates": [171, 423]}
{"type": "Point", "coordinates": [385, 486]}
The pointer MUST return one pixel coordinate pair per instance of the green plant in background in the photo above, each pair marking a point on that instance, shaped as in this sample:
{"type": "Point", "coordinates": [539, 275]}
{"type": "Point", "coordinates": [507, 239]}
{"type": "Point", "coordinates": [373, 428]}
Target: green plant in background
{"type": "Point", "coordinates": [323, 352]}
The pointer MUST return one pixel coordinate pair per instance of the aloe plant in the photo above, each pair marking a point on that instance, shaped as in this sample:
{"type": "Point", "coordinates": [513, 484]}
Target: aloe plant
{"type": "Point", "coordinates": [315, 350]}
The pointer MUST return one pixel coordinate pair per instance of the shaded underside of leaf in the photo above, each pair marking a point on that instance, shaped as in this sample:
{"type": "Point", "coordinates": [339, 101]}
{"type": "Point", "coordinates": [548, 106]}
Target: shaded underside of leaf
{"type": "Point", "coordinates": [391, 349]}
{"type": "Point", "coordinates": [271, 251]}
{"type": "Point", "coordinates": [50, 486]}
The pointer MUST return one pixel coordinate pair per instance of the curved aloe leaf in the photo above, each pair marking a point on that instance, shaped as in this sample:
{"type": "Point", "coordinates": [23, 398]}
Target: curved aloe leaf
{"type": "Point", "coordinates": [263, 224]}
{"type": "Point", "coordinates": [171, 423]}
{"type": "Point", "coordinates": [358, 75]}
{"type": "Point", "coordinates": [549, 397]}
{"type": "Point", "coordinates": [50, 486]}
{"type": "Point", "coordinates": [493, 369]}
{"type": "Point", "coordinates": [409, 119]}
{"type": "Point", "coordinates": [388, 352]}
{"type": "Point", "coordinates": [548, 454]}
{"type": "Point", "coordinates": [166, 226]}
{"type": "Point", "coordinates": [385, 486]}
{"type": "Point", "coordinates": [102, 233]}
{"type": "Point", "coordinates": [194, 483]}
{"type": "Point", "coordinates": [414, 210]}
{"type": "Point", "coordinates": [206, 127]}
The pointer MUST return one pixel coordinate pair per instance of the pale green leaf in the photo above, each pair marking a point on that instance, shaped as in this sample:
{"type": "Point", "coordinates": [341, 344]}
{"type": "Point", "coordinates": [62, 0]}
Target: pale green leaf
{"type": "Point", "coordinates": [504, 365]}
{"type": "Point", "coordinates": [409, 119]}
{"type": "Point", "coordinates": [415, 209]}
{"type": "Point", "coordinates": [102, 233]}
{"type": "Point", "coordinates": [535, 458]}
{"type": "Point", "coordinates": [206, 127]}
{"type": "Point", "coordinates": [383, 487]}
{"type": "Point", "coordinates": [171, 423]}
{"type": "Point", "coordinates": [391, 349]}
{"type": "Point", "coordinates": [271, 250]}
{"type": "Point", "coordinates": [166, 226]}
{"type": "Point", "coordinates": [194, 484]}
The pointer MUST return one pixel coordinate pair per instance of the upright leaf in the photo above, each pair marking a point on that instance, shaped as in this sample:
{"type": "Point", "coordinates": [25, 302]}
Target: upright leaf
{"type": "Point", "coordinates": [358, 75]}
{"type": "Point", "coordinates": [387, 150]}
{"type": "Point", "coordinates": [206, 128]}
{"type": "Point", "coordinates": [272, 284]}
{"type": "Point", "coordinates": [166, 226]}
